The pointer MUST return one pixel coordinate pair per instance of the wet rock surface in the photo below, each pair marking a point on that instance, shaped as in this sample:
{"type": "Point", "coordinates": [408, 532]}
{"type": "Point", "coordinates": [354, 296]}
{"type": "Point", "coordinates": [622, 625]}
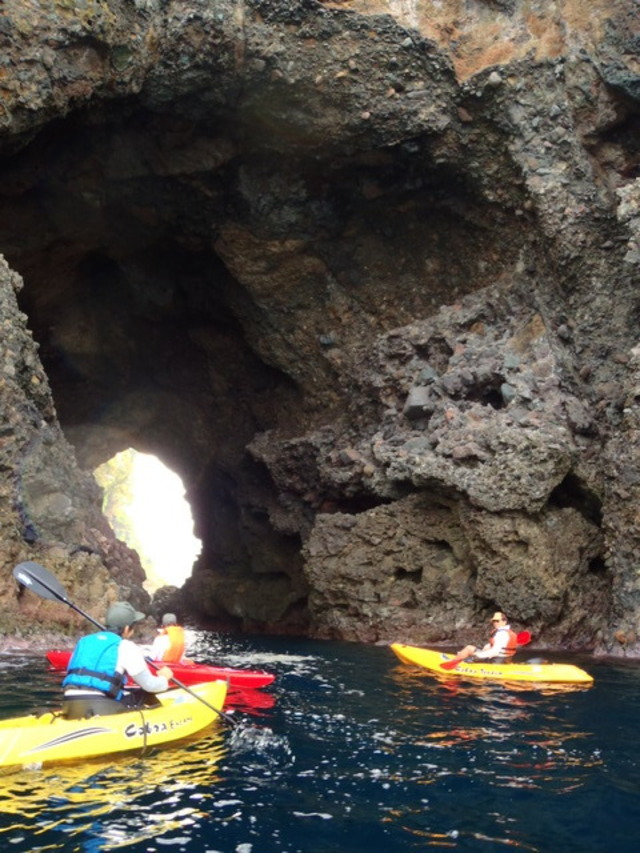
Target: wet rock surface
{"type": "Point", "coordinates": [363, 274]}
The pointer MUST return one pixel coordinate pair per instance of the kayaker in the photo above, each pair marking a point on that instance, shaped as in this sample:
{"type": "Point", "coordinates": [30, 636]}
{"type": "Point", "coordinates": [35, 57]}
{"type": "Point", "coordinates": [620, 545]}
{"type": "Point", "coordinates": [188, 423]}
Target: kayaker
{"type": "Point", "coordinates": [169, 645]}
{"type": "Point", "coordinates": [502, 644]}
{"type": "Point", "coordinates": [100, 664]}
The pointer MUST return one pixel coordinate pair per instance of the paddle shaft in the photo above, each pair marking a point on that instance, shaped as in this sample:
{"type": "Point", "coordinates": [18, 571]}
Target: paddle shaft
{"type": "Point", "coordinates": [224, 716]}
{"type": "Point", "coordinates": [59, 595]}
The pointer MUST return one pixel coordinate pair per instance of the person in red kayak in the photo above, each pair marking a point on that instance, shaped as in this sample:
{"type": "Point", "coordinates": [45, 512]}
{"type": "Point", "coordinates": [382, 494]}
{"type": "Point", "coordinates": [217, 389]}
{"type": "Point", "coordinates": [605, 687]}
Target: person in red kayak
{"type": "Point", "coordinates": [100, 664]}
{"type": "Point", "coordinates": [169, 645]}
{"type": "Point", "coordinates": [502, 644]}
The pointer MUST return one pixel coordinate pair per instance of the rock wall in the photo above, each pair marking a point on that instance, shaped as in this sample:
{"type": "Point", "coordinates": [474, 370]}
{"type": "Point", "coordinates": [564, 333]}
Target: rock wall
{"type": "Point", "coordinates": [481, 458]}
{"type": "Point", "coordinates": [49, 507]}
{"type": "Point", "coordinates": [364, 274]}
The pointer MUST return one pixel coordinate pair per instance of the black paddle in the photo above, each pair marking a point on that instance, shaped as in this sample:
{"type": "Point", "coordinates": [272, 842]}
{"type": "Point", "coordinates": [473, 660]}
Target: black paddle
{"type": "Point", "coordinates": [39, 580]}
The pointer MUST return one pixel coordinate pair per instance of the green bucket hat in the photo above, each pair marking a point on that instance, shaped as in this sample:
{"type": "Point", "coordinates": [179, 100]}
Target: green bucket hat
{"type": "Point", "coordinates": [121, 614]}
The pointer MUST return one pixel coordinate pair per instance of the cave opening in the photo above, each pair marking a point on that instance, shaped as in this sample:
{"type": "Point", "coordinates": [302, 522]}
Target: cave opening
{"type": "Point", "coordinates": [197, 295]}
{"type": "Point", "coordinates": [146, 507]}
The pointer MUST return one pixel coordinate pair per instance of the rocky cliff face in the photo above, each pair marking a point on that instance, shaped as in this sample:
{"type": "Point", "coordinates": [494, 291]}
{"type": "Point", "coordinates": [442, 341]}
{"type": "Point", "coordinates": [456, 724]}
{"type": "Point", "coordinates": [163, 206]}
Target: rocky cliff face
{"type": "Point", "coordinates": [364, 274]}
{"type": "Point", "coordinates": [49, 508]}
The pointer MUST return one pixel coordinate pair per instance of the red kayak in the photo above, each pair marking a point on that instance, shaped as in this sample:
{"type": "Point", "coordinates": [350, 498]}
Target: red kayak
{"type": "Point", "coordinates": [188, 673]}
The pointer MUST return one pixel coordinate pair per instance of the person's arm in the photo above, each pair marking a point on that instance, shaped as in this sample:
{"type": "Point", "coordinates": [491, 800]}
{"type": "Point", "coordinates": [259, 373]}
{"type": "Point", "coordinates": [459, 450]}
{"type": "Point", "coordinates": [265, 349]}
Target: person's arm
{"type": "Point", "coordinates": [150, 682]}
{"type": "Point", "coordinates": [496, 647]}
{"type": "Point", "coordinates": [131, 661]}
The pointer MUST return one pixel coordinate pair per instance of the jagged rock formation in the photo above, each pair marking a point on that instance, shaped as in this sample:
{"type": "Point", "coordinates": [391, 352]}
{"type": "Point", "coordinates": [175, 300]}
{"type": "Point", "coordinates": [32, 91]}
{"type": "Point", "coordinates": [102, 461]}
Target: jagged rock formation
{"type": "Point", "coordinates": [364, 274]}
{"type": "Point", "coordinates": [49, 508]}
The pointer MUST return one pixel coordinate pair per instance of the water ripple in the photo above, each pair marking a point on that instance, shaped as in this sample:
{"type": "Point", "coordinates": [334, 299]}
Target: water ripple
{"type": "Point", "coordinates": [354, 752]}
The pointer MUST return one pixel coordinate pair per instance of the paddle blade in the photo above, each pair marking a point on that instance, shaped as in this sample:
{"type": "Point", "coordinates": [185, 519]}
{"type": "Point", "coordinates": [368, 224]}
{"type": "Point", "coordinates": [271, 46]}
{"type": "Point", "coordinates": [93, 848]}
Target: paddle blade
{"type": "Point", "coordinates": [451, 664]}
{"type": "Point", "coordinates": [523, 638]}
{"type": "Point", "coordinates": [39, 580]}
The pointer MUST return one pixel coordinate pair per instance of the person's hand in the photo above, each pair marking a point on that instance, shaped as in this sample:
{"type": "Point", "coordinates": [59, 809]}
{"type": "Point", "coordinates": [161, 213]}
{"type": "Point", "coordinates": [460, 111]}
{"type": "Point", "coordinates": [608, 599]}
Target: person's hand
{"type": "Point", "coordinates": [165, 672]}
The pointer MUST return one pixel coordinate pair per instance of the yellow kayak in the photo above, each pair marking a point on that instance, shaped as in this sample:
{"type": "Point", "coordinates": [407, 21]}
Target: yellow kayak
{"type": "Point", "coordinates": [543, 673]}
{"type": "Point", "coordinates": [35, 740]}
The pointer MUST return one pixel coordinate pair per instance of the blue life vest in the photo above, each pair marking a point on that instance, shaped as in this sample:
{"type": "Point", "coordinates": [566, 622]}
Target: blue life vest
{"type": "Point", "coordinates": [93, 664]}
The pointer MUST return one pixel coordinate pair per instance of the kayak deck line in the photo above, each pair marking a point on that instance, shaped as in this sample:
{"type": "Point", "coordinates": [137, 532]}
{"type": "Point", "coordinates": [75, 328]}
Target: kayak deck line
{"type": "Point", "coordinates": [536, 673]}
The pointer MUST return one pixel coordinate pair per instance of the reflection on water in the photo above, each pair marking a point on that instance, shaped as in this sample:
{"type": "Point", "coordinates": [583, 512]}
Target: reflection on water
{"type": "Point", "coordinates": [77, 798]}
{"type": "Point", "coordinates": [247, 700]}
{"type": "Point", "coordinates": [513, 735]}
{"type": "Point", "coordinates": [350, 751]}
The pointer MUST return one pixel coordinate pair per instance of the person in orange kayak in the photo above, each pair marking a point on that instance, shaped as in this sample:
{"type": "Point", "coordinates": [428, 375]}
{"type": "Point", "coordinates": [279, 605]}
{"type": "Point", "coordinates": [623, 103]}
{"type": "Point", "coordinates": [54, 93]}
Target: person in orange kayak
{"type": "Point", "coordinates": [100, 664]}
{"type": "Point", "coordinates": [502, 644]}
{"type": "Point", "coordinates": [169, 645]}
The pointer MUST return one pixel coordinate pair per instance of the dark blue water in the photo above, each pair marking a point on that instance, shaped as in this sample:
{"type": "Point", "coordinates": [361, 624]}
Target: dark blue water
{"type": "Point", "coordinates": [357, 753]}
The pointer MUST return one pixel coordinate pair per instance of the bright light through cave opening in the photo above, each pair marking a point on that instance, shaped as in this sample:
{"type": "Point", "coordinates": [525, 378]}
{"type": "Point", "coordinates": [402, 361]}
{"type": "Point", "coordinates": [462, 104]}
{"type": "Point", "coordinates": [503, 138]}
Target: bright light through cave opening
{"type": "Point", "coordinates": [144, 502]}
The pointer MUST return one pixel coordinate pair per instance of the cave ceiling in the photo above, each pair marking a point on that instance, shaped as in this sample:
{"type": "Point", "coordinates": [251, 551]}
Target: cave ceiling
{"type": "Point", "coordinates": [189, 284]}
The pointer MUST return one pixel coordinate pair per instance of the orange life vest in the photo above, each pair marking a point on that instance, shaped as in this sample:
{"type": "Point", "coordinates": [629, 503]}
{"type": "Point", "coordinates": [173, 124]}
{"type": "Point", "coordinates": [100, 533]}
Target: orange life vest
{"type": "Point", "coordinates": [176, 643]}
{"type": "Point", "coordinates": [512, 643]}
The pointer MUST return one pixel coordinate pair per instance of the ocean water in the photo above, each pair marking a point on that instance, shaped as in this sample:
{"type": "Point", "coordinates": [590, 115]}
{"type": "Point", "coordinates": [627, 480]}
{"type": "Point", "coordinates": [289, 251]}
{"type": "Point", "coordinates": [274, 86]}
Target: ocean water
{"type": "Point", "coordinates": [349, 750]}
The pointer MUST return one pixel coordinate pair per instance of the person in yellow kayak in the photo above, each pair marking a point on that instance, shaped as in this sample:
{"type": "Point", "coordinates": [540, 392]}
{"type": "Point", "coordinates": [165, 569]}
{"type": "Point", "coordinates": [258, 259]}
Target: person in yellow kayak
{"type": "Point", "coordinates": [100, 664]}
{"type": "Point", "coordinates": [169, 645]}
{"type": "Point", "coordinates": [502, 644]}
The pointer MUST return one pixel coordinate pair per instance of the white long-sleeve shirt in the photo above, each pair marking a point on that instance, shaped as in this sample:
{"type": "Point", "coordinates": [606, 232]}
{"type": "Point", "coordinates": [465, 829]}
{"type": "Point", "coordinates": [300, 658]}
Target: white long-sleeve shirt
{"type": "Point", "coordinates": [497, 645]}
{"type": "Point", "coordinates": [131, 661]}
